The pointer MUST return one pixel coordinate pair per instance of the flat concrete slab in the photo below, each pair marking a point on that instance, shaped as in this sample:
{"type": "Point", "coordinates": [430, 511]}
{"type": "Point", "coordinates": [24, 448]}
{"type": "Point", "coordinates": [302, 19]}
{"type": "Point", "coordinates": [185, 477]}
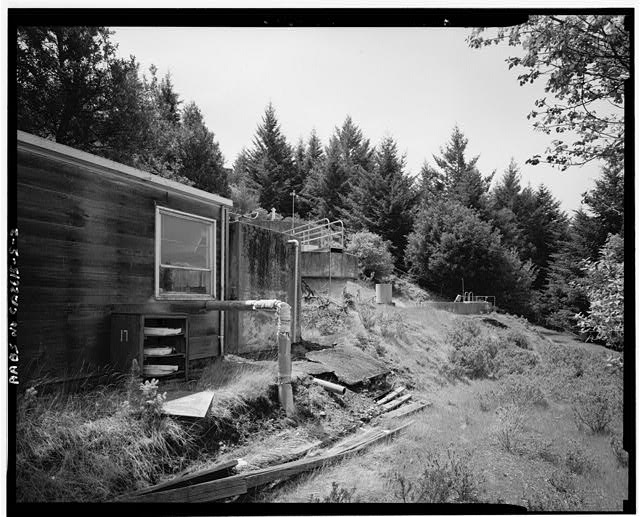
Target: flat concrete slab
{"type": "Point", "coordinates": [195, 405]}
{"type": "Point", "coordinates": [301, 369]}
{"type": "Point", "coordinates": [350, 364]}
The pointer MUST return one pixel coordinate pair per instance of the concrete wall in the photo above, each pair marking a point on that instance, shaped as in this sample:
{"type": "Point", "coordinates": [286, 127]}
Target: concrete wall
{"type": "Point", "coordinates": [460, 308]}
{"type": "Point", "coordinates": [261, 266]}
{"type": "Point", "coordinates": [327, 272]}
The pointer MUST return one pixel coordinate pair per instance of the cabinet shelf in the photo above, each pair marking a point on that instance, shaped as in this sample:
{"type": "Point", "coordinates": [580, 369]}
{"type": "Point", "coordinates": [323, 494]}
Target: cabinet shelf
{"type": "Point", "coordinates": [147, 357]}
{"type": "Point", "coordinates": [134, 333]}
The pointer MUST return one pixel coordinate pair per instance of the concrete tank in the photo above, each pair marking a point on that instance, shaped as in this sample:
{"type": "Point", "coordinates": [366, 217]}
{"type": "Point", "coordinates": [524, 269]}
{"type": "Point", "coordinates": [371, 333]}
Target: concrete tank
{"type": "Point", "coordinates": [383, 293]}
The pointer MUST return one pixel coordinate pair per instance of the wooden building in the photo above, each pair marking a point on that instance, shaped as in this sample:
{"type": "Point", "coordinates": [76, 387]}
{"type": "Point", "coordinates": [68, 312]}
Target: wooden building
{"type": "Point", "coordinates": [98, 238]}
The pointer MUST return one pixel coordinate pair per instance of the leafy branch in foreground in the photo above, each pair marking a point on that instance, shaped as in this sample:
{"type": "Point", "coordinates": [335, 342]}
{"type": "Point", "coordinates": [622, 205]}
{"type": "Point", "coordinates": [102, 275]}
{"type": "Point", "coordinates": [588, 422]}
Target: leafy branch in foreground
{"type": "Point", "coordinates": [585, 60]}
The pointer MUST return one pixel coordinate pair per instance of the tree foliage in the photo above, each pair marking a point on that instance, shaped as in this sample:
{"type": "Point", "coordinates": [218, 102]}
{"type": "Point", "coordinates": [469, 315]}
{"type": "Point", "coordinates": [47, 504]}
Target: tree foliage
{"type": "Point", "coordinates": [374, 258]}
{"type": "Point", "coordinates": [450, 243]}
{"type": "Point", "coordinates": [329, 183]}
{"type": "Point", "coordinates": [455, 176]}
{"type": "Point", "coordinates": [382, 199]}
{"type": "Point", "coordinates": [199, 154]}
{"type": "Point", "coordinates": [73, 89]}
{"type": "Point", "coordinates": [271, 165]}
{"type": "Point", "coordinates": [604, 285]}
{"type": "Point", "coordinates": [585, 62]}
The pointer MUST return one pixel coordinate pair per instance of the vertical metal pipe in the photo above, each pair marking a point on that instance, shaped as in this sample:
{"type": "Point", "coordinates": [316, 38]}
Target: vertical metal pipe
{"type": "Point", "coordinates": [224, 241]}
{"type": "Point", "coordinates": [296, 287]}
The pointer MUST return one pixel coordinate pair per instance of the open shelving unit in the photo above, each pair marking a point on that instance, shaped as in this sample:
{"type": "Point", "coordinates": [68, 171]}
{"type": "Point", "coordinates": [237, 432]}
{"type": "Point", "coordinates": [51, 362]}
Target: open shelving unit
{"type": "Point", "coordinates": [159, 342]}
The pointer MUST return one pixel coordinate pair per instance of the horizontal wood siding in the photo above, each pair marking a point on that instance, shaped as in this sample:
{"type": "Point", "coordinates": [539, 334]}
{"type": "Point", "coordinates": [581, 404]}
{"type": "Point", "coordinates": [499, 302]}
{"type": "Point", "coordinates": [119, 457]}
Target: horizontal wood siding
{"type": "Point", "coordinates": [87, 248]}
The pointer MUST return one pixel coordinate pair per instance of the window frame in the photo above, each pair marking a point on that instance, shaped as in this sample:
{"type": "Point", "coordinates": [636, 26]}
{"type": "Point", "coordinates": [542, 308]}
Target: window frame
{"type": "Point", "coordinates": [160, 211]}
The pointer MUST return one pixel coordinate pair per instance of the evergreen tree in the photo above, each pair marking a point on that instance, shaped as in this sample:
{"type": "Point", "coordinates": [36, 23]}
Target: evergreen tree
{"type": "Point", "coordinates": [606, 202]}
{"type": "Point", "coordinates": [245, 197]}
{"type": "Point", "coordinates": [325, 183]}
{"type": "Point", "coordinates": [329, 183]}
{"type": "Point", "coordinates": [505, 194]}
{"type": "Point", "coordinates": [313, 154]}
{"type": "Point", "coordinates": [308, 160]}
{"type": "Point", "coordinates": [160, 151]}
{"type": "Point", "coordinates": [504, 203]}
{"type": "Point", "coordinates": [450, 242]}
{"type": "Point", "coordinates": [544, 228]}
{"type": "Point", "coordinates": [460, 179]}
{"type": "Point", "coordinates": [382, 200]}
{"type": "Point", "coordinates": [240, 170]}
{"type": "Point", "coordinates": [271, 165]}
{"type": "Point", "coordinates": [561, 299]}
{"type": "Point", "coordinates": [200, 157]}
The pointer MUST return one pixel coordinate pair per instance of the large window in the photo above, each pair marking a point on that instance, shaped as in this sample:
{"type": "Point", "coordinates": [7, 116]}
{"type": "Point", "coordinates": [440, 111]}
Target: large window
{"type": "Point", "coordinates": [185, 255]}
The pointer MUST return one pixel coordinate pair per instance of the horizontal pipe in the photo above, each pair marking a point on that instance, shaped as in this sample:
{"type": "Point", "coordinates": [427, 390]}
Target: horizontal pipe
{"type": "Point", "coordinates": [330, 386]}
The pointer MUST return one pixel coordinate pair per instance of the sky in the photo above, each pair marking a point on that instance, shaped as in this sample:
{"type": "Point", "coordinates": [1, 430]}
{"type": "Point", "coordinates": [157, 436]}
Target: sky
{"type": "Point", "coordinates": [413, 84]}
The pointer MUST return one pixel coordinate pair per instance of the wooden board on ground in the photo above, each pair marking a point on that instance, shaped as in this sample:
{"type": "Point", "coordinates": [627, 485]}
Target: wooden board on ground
{"type": "Point", "coordinates": [350, 364]}
{"type": "Point", "coordinates": [195, 405]}
{"type": "Point", "coordinates": [199, 493]}
{"type": "Point", "coordinates": [240, 483]}
{"type": "Point", "coordinates": [216, 472]}
{"type": "Point", "coordinates": [407, 410]}
{"type": "Point", "coordinates": [395, 403]}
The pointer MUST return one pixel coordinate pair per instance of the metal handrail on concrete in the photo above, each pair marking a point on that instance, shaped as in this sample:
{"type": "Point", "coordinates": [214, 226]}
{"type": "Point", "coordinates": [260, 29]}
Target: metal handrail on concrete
{"type": "Point", "coordinates": [329, 234]}
{"type": "Point", "coordinates": [469, 297]}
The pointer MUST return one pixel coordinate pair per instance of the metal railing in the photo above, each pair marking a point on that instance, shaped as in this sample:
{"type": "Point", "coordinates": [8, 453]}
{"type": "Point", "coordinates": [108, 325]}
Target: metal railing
{"type": "Point", "coordinates": [470, 297]}
{"type": "Point", "coordinates": [321, 233]}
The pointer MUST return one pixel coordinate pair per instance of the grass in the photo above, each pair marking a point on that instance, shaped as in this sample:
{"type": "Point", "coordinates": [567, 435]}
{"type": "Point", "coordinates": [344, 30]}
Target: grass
{"type": "Point", "coordinates": [545, 462]}
{"type": "Point", "coordinates": [508, 433]}
{"type": "Point", "coordinates": [91, 447]}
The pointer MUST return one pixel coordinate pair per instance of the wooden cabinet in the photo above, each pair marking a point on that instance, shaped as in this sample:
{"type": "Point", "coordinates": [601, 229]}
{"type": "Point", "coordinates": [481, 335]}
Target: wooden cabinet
{"type": "Point", "coordinates": [159, 342]}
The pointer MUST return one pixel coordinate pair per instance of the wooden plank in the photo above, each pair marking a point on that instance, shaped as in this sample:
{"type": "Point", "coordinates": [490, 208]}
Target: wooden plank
{"type": "Point", "coordinates": [195, 405]}
{"type": "Point", "coordinates": [198, 493]}
{"type": "Point", "coordinates": [407, 410]}
{"type": "Point", "coordinates": [395, 403]}
{"type": "Point", "coordinates": [216, 472]}
{"type": "Point", "coordinates": [287, 470]}
{"type": "Point", "coordinates": [391, 395]}
{"type": "Point", "coordinates": [240, 483]}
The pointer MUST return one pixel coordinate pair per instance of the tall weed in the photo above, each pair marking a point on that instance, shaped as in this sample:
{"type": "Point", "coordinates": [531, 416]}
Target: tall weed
{"type": "Point", "coordinates": [446, 477]}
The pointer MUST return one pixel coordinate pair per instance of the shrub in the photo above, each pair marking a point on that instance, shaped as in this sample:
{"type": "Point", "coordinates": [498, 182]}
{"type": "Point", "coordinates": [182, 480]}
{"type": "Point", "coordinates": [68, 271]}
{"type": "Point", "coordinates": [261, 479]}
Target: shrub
{"type": "Point", "coordinates": [510, 359]}
{"type": "Point", "coordinates": [374, 258]}
{"type": "Point", "coordinates": [604, 285]}
{"type": "Point", "coordinates": [446, 477]}
{"type": "Point", "coordinates": [367, 313]}
{"type": "Point", "coordinates": [509, 427]}
{"type": "Point", "coordinates": [519, 339]}
{"type": "Point", "coordinates": [473, 352]}
{"type": "Point", "coordinates": [595, 407]}
{"type": "Point", "coordinates": [392, 325]}
{"type": "Point", "coordinates": [562, 480]}
{"type": "Point", "coordinates": [616, 446]}
{"type": "Point", "coordinates": [548, 499]}
{"type": "Point", "coordinates": [521, 391]}
{"type": "Point", "coordinates": [338, 494]}
{"type": "Point", "coordinates": [324, 315]}
{"type": "Point", "coordinates": [577, 460]}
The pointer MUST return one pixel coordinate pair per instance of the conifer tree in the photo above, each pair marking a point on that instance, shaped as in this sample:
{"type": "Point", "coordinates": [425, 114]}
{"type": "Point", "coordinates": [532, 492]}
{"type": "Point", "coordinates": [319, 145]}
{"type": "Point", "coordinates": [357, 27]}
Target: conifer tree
{"type": "Point", "coordinates": [271, 165]}
{"type": "Point", "coordinates": [200, 157]}
{"type": "Point", "coordinates": [382, 200]}
{"type": "Point", "coordinates": [460, 178]}
{"type": "Point", "coordinates": [328, 186]}
{"type": "Point", "coordinates": [326, 182]}
{"type": "Point", "coordinates": [544, 227]}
